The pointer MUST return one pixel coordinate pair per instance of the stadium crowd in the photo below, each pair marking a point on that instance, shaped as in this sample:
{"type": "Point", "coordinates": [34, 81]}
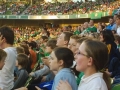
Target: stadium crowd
{"type": "Point", "coordinates": [43, 8]}
{"type": "Point", "coordinates": [61, 58]}
{"type": "Point", "coordinates": [83, 57]}
{"type": "Point", "coordinates": [12, 8]}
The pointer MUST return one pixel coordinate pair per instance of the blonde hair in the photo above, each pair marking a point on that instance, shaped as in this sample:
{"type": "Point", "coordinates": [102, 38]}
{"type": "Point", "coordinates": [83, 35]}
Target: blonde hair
{"type": "Point", "coordinates": [20, 50]}
{"type": "Point", "coordinates": [76, 37]}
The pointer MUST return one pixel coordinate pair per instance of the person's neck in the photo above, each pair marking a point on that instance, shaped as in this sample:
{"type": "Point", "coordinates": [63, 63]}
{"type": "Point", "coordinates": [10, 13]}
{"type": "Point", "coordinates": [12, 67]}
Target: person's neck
{"type": "Point", "coordinates": [59, 69]}
{"type": "Point", "coordinates": [7, 45]}
{"type": "Point", "coordinates": [64, 46]}
{"type": "Point", "coordinates": [92, 26]}
{"type": "Point", "coordinates": [89, 72]}
{"type": "Point", "coordinates": [111, 23]}
{"type": "Point", "coordinates": [19, 67]}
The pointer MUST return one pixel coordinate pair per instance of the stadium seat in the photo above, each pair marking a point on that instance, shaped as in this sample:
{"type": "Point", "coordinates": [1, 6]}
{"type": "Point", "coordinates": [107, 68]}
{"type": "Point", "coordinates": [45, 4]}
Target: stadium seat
{"type": "Point", "coordinates": [116, 87]}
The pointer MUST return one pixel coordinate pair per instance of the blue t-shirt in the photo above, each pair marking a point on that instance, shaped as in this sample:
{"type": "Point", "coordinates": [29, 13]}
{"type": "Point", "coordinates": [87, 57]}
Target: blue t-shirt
{"type": "Point", "coordinates": [109, 27]}
{"type": "Point", "coordinates": [114, 27]}
{"type": "Point", "coordinates": [65, 74]}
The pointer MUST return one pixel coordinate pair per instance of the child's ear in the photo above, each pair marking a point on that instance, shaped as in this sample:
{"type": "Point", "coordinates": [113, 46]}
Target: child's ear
{"type": "Point", "coordinates": [61, 62]}
{"type": "Point", "coordinates": [4, 40]}
{"type": "Point", "coordinates": [65, 42]}
{"type": "Point", "coordinates": [90, 62]}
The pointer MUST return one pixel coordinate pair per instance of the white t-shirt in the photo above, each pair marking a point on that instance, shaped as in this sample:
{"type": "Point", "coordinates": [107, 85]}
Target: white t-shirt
{"type": "Point", "coordinates": [118, 31]}
{"type": "Point", "coordinates": [93, 82]}
{"type": "Point", "coordinates": [6, 74]}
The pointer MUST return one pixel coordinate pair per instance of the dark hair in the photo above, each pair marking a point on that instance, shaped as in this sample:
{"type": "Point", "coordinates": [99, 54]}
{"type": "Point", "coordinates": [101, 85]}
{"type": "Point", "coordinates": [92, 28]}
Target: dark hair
{"type": "Point", "coordinates": [31, 45]}
{"type": "Point", "coordinates": [8, 34]}
{"type": "Point", "coordinates": [48, 33]}
{"type": "Point", "coordinates": [2, 54]}
{"type": "Point", "coordinates": [26, 49]}
{"type": "Point", "coordinates": [52, 43]}
{"type": "Point", "coordinates": [22, 60]}
{"type": "Point", "coordinates": [64, 54]}
{"type": "Point", "coordinates": [24, 42]}
{"type": "Point", "coordinates": [67, 35]}
{"type": "Point", "coordinates": [103, 27]}
{"type": "Point", "coordinates": [27, 52]}
{"type": "Point", "coordinates": [107, 35]}
{"type": "Point", "coordinates": [69, 26]}
{"type": "Point", "coordinates": [45, 38]}
{"type": "Point", "coordinates": [99, 53]}
{"type": "Point", "coordinates": [34, 44]}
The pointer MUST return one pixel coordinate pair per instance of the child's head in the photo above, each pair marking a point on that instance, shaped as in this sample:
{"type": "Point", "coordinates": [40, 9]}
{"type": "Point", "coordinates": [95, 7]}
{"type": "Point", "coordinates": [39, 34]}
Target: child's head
{"type": "Point", "coordinates": [73, 43]}
{"type": "Point", "coordinates": [117, 39]}
{"type": "Point", "coordinates": [93, 35]}
{"type": "Point", "coordinates": [26, 48]}
{"type": "Point", "coordinates": [8, 36]}
{"type": "Point", "coordinates": [31, 45]}
{"type": "Point", "coordinates": [93, 58]}
{"type": "Point", "coordinates": [20, 50]}
{"type": "Point", "coordinates": [92, 54]}
{"type": "Point", "coordinates": [3, 55]}
{"type": "Point", "coordinates": [24, 42]}
{"type": "Point", "coordinates": [79, 41]}
{"type": "Point", "coordinates": [22, 60]}
{"type": "Point", "coordinates": [106, 36]}
{"type": "Point", "coordinates": [43, 39]}
{"type": "Point", "coordinates": [51, 44]}
{"type": "Point", "coordinates": [61, 58]}
{"type": "Point", "coordinates": [63, 39]}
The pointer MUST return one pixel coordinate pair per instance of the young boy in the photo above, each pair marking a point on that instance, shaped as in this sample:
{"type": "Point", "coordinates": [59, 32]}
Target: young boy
{"type": "Point", "coordinates": [22, 75]}
{"type": "Point", "coordinates": [63, 39]}
{"type": "Point", "coordinates": [51, 44]}
{"type": "Point", "coordinates": [73, 43]}
{"type": "Point", "coordinates": [20, 50]}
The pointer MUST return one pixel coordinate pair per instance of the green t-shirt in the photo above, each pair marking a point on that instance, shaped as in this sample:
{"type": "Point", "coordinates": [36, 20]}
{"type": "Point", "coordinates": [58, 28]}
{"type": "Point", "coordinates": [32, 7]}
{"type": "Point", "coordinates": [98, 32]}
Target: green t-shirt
{"type": "Point", "coordinates": [92, 29]}
{"type": "Point", "coordinates": [46, 54]}
{"type": "Point", "coordinates": [77, 32]}
{"type": "Point", "coordinates": [79, 77]}
{"type": "Point", "coordinates": [85, 31]}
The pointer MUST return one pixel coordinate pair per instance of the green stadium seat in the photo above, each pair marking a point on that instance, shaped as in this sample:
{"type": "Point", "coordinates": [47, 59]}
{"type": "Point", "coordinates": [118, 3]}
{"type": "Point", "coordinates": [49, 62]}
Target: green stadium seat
{"type": "Point", "coordinates": [116, 87]}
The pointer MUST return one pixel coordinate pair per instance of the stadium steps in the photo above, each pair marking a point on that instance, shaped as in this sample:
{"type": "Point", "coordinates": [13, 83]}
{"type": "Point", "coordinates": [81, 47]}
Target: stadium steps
{"type": "Point", "coordinates": [25, 10]}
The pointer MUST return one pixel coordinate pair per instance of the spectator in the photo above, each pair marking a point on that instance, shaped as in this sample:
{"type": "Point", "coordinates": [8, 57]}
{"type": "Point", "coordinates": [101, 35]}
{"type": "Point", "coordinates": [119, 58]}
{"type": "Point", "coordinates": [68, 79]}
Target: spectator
{"type": "Point", "coordinates": [22, 74]}
{"type": "Point", "coordinates": [115, 24]}
{"type": "Point", "coordinates": [111, 23]}
{"type": "Point", "coordinates": [92, 28]}
{"type": "Point", "coordinates": [63, 39]}
{"type": "Point", "coordinates": [118, 24]}
{"type": "Point", "coordinates": [6, 43]}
